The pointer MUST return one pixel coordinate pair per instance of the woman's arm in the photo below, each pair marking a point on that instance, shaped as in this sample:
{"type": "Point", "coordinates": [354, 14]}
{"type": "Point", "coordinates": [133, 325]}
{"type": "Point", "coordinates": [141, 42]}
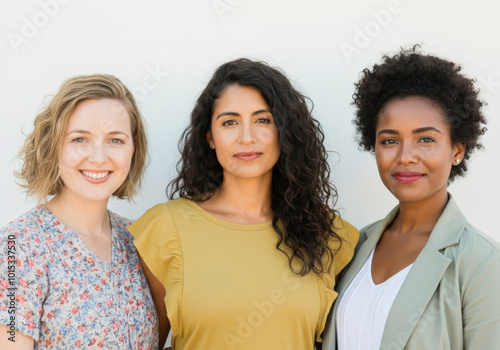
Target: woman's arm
{"type": "Point", "coordinates": [158, 294]}
{"type": "Point", "coordinates": [481, 308]}
{"type": "Point", "coordinates": [18, 341]}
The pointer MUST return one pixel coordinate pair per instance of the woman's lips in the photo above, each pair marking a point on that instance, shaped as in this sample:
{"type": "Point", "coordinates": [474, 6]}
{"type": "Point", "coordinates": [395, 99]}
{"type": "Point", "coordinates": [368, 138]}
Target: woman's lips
{"type": "Point", "coordinates": [96, 176]}
{"type": "Point", "coordinates": [407, 176]}
{"type": "Point", "coordinates": [247, 156]}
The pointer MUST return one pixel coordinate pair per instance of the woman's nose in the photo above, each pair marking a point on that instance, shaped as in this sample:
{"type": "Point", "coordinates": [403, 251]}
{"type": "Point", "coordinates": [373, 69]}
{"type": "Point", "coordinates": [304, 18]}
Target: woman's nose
{"type": "Point", "coordinates": [97, 153]}
{"type": "Point", "coordinates": [407, 153]}
{"type": "Point", "coordinates": [247, 133]}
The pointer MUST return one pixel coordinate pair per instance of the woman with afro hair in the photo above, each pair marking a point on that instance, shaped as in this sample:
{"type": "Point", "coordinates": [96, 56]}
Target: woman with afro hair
{"type": "Point", "coordinates": [422, 277]}
{"type": "Point", "coordinates": [247, 257]}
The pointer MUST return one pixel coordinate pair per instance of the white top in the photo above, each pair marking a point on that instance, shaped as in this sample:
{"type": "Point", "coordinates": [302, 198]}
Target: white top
{"type": "Point", "coordinates": [363, 309]}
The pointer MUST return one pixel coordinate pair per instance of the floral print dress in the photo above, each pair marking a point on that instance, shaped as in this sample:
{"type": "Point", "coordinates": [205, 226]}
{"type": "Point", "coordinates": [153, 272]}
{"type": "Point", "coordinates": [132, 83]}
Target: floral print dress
{"type": "Point", "coordinates": [68, 298]}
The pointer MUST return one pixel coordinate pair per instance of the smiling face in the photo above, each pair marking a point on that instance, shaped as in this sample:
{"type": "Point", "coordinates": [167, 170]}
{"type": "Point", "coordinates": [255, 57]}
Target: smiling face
{"type": "Point", "coordinates": [97, 150]}
{"type": "Point", "coordinates": [413, 149]}
{"type": "Point", "coordinates": [243, 133]}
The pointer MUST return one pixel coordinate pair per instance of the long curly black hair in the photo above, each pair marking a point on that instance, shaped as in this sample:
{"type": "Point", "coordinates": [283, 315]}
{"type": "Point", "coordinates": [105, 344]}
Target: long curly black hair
{"type": "Point", "coordinates": [410, 73]}
{"type": "Point", "coordinates": [301, 194]}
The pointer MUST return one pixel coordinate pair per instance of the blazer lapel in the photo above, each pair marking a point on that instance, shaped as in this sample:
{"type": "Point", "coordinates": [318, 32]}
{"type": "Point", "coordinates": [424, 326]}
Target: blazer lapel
{"type": "Point", "coordinates": [423, 278]}
{"type": "Point", "coordinates": [364, 248]}
{"type": "Point", "coordinates": [358, 261]}
{"type": "Point", "coordinates": [413, 297]}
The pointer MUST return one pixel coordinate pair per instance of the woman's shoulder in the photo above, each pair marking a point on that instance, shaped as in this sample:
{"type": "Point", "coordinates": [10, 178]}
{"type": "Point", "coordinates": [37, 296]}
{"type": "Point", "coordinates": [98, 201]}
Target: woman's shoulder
{"type": "Point", "coordinates": [345, 230]}
{"type": "Point", "coordinates": [31, 238]}
{"type": "Point", "coordinates": [476, 243]}
{"type": "Point", "coordinates": [120, 220]}
{"type": "Point", "coordinates": [349, 237]}
{"type": "Point", "coordinates": [483, 237]}
{"type": "Point", "coordinates": [29, 223]}
{"type": "Point", "coordinates": [162, 217]}
{"type": "Point", "coordinates": [165, 208]}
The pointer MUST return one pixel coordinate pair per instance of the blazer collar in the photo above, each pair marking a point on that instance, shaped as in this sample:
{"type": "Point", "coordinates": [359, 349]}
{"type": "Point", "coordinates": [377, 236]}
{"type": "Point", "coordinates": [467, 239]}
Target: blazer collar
{"type": "Point", "coordinates": [449, 227]}
{"type": "Point", "coordinates": [446, 233]}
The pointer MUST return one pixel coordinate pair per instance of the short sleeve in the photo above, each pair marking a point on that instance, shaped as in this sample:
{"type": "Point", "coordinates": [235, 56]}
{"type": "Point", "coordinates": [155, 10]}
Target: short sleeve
{"type": "Point", "coordinates": [343, 253]}
{"type": "Point", "coordinates": [23, 277]}
{"type": "Point", "coordinates": [157, 241]}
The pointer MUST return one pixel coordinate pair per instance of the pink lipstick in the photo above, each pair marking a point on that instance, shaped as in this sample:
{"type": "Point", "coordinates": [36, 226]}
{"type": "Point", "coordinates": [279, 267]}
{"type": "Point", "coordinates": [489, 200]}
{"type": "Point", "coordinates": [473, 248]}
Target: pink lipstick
{"type": "Point", "coordinates": [407, 176]}
{"type": "Point", "coordinates": [96, 176]}
{"type": "Point", "coordinates": [247, 156]}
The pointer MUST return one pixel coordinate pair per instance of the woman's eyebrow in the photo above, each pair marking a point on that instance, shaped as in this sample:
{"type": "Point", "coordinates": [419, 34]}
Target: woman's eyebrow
{"type": "Point", "coordinates": [388, 131]}
{"type": "Point", "coordinates": [234, 114]}
{"type": "Point", "coordinates": [424, 129]}
{"type": "Point", "coordinates": [264, 110]}
{"type": "Point", "coordinates": [118, 132]}
{"type": "Point", "coordinates": [86, 132]}
{"type": "Point", "coordinates": [416, 131]}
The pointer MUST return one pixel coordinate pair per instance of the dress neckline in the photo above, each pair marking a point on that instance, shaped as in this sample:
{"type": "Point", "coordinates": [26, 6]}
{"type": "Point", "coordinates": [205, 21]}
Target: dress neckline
{"type": "Point", "coordinates": [62, 228]}
{"type": "Point", "coordinates": [228, 224]}
{"type": "Point", "coordinates": [369, 262]}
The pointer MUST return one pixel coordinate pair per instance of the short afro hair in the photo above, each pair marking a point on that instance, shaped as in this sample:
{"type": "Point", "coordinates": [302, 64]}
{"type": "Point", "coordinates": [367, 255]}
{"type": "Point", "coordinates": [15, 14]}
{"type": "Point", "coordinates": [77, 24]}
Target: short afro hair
{"type": "Point", "coordinates": [410, 73]}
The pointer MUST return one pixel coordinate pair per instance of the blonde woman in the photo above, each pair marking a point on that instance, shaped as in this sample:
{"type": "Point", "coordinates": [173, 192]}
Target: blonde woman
{"type": "Point", "coordinates": [70, 276]}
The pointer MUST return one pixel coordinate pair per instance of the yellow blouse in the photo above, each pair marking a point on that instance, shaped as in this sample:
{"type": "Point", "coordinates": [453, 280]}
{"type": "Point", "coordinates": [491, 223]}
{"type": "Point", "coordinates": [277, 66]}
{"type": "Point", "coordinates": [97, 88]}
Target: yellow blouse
{"type": "Point", "coordinates": [228, 286]}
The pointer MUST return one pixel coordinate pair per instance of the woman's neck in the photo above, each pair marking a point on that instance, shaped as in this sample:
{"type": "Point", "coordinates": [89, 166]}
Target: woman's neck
{"type": "Point", "coordinates": [245, 201]}
{"type": "Point", "coordinates": [420, 216]}
{"type": "Point", "coordinates": [87, 218]}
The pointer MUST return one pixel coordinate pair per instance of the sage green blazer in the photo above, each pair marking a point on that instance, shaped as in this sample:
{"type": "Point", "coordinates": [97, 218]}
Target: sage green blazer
{"type": "Point", "coordinates": [451, 296]}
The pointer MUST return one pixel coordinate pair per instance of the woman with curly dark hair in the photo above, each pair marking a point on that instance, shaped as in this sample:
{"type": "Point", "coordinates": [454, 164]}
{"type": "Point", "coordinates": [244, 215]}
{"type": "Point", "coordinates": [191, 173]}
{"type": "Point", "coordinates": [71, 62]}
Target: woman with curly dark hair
{"type": "Point", "coordinates": [423, 277]}
{"type": "Point", "coordinates": [247, 257]}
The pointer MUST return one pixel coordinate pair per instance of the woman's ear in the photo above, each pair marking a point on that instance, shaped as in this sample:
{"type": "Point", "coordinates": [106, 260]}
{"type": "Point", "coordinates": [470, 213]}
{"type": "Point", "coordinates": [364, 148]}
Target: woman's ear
{"type": "Point", "coordinates": [458, 153]}
{"type": "Point", "coordinates": [210, 140]}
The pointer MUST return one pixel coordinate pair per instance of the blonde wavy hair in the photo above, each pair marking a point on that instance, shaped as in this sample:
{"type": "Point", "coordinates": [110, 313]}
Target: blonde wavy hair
{"type": "Point", "coordinates": [39, 175]}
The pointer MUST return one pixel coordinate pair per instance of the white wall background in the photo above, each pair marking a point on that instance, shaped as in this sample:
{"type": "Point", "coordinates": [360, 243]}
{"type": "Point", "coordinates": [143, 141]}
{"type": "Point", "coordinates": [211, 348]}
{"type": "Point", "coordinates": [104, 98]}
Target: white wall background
{"type": "Point", "coordinates": [166, 50]}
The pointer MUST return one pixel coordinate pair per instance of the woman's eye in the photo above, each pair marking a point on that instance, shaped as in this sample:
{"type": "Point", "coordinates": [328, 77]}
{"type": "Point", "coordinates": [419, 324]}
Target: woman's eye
{"type": "Point", "coordinates": [117, 141]}
{"type": "Point", "coordinates": [263, 120]}
{"type": "Point", "coordinates": [78, 140]}
{"type": "Point", "coordinates": [426, 140]}
{"type": "Point", "coordinates": [388, 142]}
{"type": "Point", "coordinates": [229, 122]}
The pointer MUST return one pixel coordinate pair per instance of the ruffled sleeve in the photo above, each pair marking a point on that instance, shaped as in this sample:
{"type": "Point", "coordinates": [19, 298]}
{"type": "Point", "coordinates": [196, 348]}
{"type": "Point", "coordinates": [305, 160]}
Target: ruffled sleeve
{"type": "Point", "coordinates": [349, 235]}
{"type": "Point", "coordinates": [157, 240]}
